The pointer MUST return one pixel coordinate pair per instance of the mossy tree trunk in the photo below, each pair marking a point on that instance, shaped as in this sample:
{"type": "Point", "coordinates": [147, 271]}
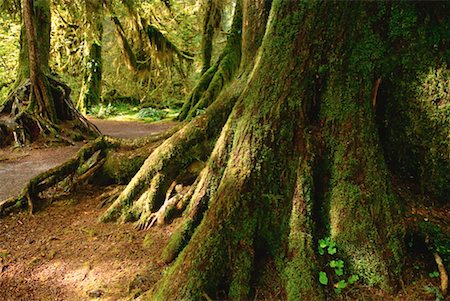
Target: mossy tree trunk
{"type": "Point", "coordinates": [91, 90]}
{"type": "Point", "coordinates": [298, 159]}
{"type": "Point", "coordinates": [219, 74]}
{"type": "Point", "coordinates": [39, 102]}
{"type": "Point", "coordinates": [211, 22]}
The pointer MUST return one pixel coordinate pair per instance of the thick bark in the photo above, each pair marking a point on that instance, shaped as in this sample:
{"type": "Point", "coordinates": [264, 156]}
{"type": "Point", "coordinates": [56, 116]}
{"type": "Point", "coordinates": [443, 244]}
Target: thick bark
{"type": "Point", "coordinates": [40, 94]}
{"type": "Point", "coordinates": [290, 119]}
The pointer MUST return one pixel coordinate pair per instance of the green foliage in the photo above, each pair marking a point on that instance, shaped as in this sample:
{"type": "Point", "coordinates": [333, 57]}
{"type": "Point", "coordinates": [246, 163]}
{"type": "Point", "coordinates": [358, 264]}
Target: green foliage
{"type": "Point", "coordinates": [433, 274]}
{"type": "Point", "coordinates": [323, 279]}
{"type": "Point", "coordinates": [152, 113]}
{"type": "Point", "coordinates": [9, 52]}
{"type": "Point", "coordinates": [327, 248]}
{"type": "Point", "coordinates": [103, 111]}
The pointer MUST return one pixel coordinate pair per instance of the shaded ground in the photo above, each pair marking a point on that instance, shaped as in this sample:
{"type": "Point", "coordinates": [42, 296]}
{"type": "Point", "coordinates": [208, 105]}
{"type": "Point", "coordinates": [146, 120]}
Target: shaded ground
{"type": "Point", "coordinates": [64, 253]}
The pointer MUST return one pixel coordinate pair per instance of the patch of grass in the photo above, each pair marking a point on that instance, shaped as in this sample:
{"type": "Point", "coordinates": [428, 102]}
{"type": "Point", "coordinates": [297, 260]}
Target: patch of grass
{"type": "Point", "coordinates": [90, 233]}
{"type": "Point", "coordinates": [4, 253]}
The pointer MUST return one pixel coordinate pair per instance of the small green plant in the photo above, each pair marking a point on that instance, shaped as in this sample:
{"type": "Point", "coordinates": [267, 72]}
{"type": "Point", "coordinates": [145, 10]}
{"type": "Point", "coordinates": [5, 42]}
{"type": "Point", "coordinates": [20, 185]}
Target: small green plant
{"type": "Point", "coordinates": [328, 248]}
{"type": "Point", "coordinates": [102, 111]}
{"type": "Point", "coordinates": [434, 274]}
{"type": "Point", "coordinates": [152, 113]}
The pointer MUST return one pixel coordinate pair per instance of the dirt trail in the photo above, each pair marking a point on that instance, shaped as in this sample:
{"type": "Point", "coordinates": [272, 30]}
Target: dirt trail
{"type": "Point", "coordinates": [63, 252]}
{"type": "Point", "coordinates": [19, 166]}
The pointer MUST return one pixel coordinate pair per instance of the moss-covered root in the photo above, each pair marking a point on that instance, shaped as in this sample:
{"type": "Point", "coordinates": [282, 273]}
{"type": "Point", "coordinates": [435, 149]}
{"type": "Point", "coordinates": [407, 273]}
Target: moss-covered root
{"type": "Point", "coordinates": [77, 170]}
{"type": "Point", "coordinates": [205, 188]}
{"type": "Point", "coordinates": [25, 124]}
{"type": "Point", "coordinates": [145, 193]}
{"type": "Point", "coordinates": [222, 72]}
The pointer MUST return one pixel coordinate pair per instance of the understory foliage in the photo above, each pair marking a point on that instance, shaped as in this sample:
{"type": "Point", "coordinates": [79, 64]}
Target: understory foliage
{"type": "Point", "coordinates": [286, 160]}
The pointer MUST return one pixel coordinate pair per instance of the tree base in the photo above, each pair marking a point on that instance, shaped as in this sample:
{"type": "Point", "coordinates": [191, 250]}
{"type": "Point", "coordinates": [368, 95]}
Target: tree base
{"type": "Point", "coordinates": [21, 123]}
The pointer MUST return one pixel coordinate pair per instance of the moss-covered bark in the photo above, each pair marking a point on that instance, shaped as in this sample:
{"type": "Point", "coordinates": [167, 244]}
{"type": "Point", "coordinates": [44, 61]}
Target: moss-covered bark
{"type": "Point", "coordinates": [41, 19]}
{"type": "Point", "coordinates": [211, 22]}
{"type": "Point", "coordinates": [299, 111]}
{"type": "Point", "coordinates": [217, 76]}
{"type": "Point", "coordinates": [91, 90]}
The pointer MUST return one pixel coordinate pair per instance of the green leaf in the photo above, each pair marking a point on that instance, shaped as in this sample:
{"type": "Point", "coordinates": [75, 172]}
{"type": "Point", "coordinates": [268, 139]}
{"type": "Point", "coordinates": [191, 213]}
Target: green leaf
{"type": "Point", "coordinates": [333, 263]}
{"type": "Point", "coordinates": [342, 284]}
{"type": "Point", "coordinates": [331, 250]}
{"type": "Point", "coordinates": [339, 272]}
{"type": "Point", "coordinates": [352, 279]}
{"type": "Point", "coordinates": [323, 279]}
{"type": "Point", "coordinates": [323, 243]}
{"type": "Point", "coordinates": [434, 274]}
{"type": "Point", "coordinates": [321, 251]}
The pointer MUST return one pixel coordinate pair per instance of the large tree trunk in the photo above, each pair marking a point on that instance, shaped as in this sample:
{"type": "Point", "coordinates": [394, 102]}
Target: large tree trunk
{"type": "Point", "coordinates": [298, 159]}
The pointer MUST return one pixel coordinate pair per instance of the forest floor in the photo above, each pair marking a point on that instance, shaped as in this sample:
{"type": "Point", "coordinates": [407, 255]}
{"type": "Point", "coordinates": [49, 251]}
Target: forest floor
{"type": "Point", "coordinates": [64, 253]}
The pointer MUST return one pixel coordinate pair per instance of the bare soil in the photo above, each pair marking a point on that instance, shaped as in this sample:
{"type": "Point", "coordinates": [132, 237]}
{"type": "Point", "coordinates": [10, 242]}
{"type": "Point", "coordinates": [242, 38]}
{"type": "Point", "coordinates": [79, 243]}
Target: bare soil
{"type": "Point", "coordinates": [18, 166]}
{"type": "Point", "coordinates": [63, 252]}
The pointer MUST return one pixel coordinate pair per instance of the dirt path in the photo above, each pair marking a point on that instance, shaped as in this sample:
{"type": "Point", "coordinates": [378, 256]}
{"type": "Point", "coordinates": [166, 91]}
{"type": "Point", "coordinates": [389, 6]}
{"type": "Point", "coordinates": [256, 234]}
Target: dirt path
{"type": "Point", "coordinates": [130, 129]}
{"type": "Point", "coordinates": [19, 166]}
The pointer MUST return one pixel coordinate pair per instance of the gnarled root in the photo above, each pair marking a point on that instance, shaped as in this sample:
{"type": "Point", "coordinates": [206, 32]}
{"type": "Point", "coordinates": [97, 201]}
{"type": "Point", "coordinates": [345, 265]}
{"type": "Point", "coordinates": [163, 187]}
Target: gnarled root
{"type": "Point", "coordinates": [84, 167]}
{"type": "Point", "coordinates": [76, 170]}
{"type": "Point", "coordinates": [146, 193]}
{"type": "Point", "coordinates": [23, 124]}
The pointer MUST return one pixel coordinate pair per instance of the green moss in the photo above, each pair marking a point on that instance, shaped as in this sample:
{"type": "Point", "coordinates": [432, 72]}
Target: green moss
{"type": "Point", "coordinates": [178, 241]}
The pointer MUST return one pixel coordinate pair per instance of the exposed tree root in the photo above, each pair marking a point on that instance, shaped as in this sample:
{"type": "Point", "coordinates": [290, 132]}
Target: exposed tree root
{"type": "Point", "coordinates": [19, 119]}
{"type": "Point", "coordinates": [442, 272]}
{"type": "Point", "coordinates": [95, 158]}
{"type": "Point", "coordinates": [185, 150]}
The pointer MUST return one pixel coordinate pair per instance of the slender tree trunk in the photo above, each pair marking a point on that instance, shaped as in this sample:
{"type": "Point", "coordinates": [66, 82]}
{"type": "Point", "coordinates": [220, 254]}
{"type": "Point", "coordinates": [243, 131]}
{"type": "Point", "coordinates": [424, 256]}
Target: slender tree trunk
{"type": "Point", "coordinates": [221, 73]}
{"type": "Point", "coordinates": [39, 101]}
{"type": "Point", "coordinates": [40, 95]}
{"type": "Point", "coordinates": [210, 23]}
{"type": "Point", "coordinates": [91, 90]}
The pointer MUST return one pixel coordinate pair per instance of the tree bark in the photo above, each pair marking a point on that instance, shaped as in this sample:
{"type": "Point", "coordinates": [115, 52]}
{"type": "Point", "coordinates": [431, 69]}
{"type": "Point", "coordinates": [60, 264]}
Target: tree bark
{"type": "Point", "coordinates": [91, 90]}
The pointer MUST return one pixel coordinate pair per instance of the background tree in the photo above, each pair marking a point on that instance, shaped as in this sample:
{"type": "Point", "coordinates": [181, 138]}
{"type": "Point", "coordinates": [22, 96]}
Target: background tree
{"type": "Point", "coordinates": [91, 90]}
{"type": "Point", "coordinates": [39, 101]}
